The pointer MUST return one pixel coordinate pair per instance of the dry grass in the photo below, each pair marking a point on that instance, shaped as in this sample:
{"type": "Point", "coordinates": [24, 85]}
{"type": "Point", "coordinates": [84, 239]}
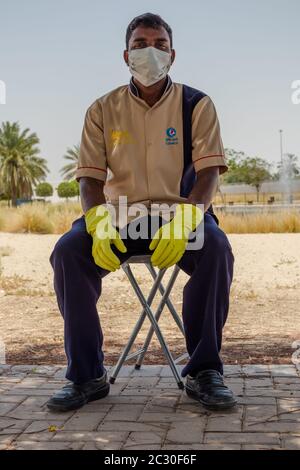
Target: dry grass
{"type": "Point", "coordinates": [280, 222]}
{"type": "Point", "coordinates": [57, 219]}
{"type": "Point", "coordinates": [39, 218]}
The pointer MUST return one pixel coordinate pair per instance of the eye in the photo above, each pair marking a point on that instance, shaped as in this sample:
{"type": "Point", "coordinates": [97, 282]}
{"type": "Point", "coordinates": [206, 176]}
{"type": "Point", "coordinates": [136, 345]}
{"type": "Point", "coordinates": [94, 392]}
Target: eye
{"type": "Point", "coordinates": [139, 45]}
{"type": "Point", "coordinates": [162, 46]}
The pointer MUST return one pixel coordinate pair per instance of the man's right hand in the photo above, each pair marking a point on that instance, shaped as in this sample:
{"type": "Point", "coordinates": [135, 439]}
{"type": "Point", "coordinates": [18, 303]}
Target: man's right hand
{"type": "Point", "coordinates": [99, 226]}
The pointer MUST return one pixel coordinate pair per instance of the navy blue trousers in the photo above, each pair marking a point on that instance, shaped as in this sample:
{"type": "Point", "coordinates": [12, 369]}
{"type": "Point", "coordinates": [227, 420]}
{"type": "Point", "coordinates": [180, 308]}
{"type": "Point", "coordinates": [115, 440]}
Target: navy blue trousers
{"type": "Point", "coordinates": [78, 285]}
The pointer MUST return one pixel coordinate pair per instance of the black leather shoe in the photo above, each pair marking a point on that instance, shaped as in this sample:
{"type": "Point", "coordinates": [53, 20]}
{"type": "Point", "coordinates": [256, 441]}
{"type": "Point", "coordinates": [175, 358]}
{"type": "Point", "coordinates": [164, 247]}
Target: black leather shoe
{"type": "Point", "coordinates": [73, 396]}
{"type": "Point", "coordinates": [208, 388]}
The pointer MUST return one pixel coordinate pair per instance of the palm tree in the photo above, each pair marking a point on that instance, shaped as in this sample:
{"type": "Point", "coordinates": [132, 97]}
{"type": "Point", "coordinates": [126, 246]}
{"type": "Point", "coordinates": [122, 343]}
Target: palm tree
{"type": "Point", "coordinates": [68, 171]}
{"type": "Point", "coordinates": [21, 167]}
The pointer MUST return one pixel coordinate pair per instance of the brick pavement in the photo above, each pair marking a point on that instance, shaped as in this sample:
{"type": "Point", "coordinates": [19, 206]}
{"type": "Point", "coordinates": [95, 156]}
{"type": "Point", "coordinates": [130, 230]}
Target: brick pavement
{"type": "Point", "coordinates": [146, 410]}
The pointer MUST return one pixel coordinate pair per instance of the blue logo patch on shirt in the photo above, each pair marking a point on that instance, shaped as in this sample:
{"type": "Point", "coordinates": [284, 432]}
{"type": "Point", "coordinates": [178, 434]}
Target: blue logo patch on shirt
{"type": "Point", "coordinates": [171, 138]}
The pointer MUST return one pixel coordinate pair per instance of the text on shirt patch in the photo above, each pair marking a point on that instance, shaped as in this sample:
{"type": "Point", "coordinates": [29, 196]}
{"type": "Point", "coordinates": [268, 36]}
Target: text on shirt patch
{"type": "Point", "coordinates": [171, 138]}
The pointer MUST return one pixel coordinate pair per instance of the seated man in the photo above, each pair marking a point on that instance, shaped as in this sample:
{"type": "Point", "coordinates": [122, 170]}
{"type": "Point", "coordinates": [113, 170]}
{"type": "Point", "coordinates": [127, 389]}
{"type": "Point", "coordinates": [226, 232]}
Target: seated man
{"type": "Point", "coordinates": [154, 141]}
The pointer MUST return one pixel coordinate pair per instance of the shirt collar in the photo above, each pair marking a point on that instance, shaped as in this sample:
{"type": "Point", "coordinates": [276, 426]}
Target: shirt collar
{"type": "Point", "coordinates": [135, 91]}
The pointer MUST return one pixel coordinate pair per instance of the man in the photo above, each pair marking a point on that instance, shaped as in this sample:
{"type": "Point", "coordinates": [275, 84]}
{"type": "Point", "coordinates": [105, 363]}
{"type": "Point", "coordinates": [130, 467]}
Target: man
{"type": "Point", "coordinates": [153, 141]}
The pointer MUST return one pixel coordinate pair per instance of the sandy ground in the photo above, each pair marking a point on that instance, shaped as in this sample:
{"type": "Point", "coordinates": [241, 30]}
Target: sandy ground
{"type": "Point", "coordinates": [262, 324]}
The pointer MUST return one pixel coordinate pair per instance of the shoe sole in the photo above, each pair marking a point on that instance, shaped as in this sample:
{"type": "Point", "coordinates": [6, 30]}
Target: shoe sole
{"type": "Point", "coordinates": [95, 396]}
{"type": "Point", "coordinates": [219, 406]}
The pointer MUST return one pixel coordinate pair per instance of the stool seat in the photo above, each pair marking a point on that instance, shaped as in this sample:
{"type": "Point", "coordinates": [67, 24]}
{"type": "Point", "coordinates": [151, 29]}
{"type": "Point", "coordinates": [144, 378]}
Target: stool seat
{"type": "Point", "coordinates": [138, 259]}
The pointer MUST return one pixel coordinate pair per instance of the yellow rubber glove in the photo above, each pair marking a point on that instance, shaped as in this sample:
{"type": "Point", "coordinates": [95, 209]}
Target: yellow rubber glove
{"type": "Point", "coordinates": [99, 225]}
{"type": "Point", "coordinates": [171, 239]}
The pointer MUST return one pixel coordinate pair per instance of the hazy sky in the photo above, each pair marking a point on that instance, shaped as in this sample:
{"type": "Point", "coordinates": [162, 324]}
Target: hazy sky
{"type": "Point", "coordinates": [58, 56]}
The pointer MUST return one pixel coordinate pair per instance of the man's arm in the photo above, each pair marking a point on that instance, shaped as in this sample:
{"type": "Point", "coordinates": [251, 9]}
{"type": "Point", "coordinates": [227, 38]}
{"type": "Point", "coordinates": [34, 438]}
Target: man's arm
{"type": "Point", "coordinates": [91, 192]}
{"type": "Point", "coordinates": [205, 187]}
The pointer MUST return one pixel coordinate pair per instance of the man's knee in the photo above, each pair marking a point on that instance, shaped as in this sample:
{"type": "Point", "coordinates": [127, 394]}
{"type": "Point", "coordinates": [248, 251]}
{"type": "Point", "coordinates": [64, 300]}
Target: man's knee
{"type": "Point", "coordinates": [68, 245]}
{"type": "Point", "coordinates": [216, 240]}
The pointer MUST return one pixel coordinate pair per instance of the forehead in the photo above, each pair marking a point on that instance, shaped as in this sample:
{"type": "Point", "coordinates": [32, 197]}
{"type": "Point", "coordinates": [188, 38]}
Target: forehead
{"type": "Point", "coordinates": [149, 33]}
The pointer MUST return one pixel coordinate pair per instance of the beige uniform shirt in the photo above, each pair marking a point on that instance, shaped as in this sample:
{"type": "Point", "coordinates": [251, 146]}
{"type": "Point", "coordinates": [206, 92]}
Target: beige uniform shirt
{"type": "Point", "coordinates": [149, 155]}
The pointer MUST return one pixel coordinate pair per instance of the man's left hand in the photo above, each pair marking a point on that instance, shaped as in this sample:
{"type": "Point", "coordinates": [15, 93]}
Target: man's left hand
{"type": "Point", "coordinates": [170, 240]}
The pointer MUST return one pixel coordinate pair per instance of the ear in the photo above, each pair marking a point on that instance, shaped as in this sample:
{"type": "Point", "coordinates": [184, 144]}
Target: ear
{"type": "Point", "coordinates": [173, 54]}
{"type": "Point", "coordinates": [125, 55]}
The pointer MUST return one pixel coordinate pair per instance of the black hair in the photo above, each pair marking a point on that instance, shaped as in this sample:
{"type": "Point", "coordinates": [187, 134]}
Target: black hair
{"type": "Point", "coordinates": [149, 20]}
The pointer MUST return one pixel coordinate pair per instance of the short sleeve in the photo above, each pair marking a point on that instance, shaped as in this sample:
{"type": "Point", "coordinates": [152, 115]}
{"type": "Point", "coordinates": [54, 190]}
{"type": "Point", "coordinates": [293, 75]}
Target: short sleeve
{"type": "Point", "coordinates": [92, 156]}
{"type": "Point", "coordinates": [207, 145]}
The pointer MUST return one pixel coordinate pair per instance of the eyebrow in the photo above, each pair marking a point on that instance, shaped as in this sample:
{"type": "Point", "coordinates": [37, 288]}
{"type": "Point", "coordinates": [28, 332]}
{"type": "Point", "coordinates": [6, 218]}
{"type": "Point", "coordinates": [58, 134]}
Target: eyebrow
{"type": "Point", "coordinates": [141, 38]}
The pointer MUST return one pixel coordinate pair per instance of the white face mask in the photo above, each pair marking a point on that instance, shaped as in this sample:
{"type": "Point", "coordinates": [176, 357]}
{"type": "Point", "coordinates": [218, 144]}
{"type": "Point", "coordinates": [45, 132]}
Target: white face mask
{"type": "Point", "coordinates": [149, 64]}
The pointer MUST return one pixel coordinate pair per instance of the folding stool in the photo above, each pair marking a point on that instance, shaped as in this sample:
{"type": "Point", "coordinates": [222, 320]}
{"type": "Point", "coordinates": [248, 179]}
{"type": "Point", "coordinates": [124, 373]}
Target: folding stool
{"type": "Point", "coordinates": [153, 317]}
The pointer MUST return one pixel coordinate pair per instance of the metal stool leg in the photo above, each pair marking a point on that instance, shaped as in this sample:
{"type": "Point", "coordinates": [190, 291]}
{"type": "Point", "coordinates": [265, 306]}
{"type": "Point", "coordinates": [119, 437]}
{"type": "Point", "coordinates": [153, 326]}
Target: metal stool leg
{"type": "Point", "coordinates": [125, 354]}
{"type": "Point", "coordinates": [156, 327]}
{"type": "Point", "coordinates": [165, 300]}
{"type": "Point", "coordinates": [168, 302]}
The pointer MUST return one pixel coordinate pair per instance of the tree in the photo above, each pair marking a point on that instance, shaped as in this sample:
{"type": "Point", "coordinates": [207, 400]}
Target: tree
{"type": "Point", "coordinates": [72, 154]}
{"type": "Point", "coordinates": [234, 173]}
{"type": "Point", "coordinates": [288, 168]}
{"type": "Point", "coordinates": [44, 190]}
{"type": "Point", "coordinates": [254, 171]}
{"type": "Point", "coordinates": [68, 189]}
{"type": "Point", "coordinates": [21, 167]}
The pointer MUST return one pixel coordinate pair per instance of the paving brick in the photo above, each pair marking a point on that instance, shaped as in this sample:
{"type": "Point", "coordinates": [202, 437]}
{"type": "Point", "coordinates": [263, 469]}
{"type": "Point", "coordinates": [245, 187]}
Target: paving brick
{"type": "Point", "coordinates": [256, 400]}
{"type": "Point", "coordinates": [232, 370]}
{"type": "Point", "coordinates": [6, 407]}
{"type": "Point", "coordinates": [241, 438]}
{"type": "Point", "coordinates": [291, 442]}
{"type": "Point", "coordinates": [33, 445]}
{"type": "Point", "coordinates": [131, 426]}
{"type": "Point", "coordinates": [186, 432]}
{"type": "Point", "coordinates": [167, 372]}
{"type": "Point", "coordinates": [34, 403]}
{"type": "Point", "coordinates": [287, 404]}
{"type": "Point", "coordinates": [201, 447]}
{"type": "Point", "coordinates": [259, 413]}
{"type": "Point", "coordinates": [290, 386]}
{"type": "Point", "coordinates": [102, 437]}
{"type": "Point", "coordinates": [38, 426]}
{"type": "Point", "coordinates": [273, 426]}
{"type": "Point", "coordinates": [261, 447]}
{"type": "Point", "coordinates": [125, 413]}
{"type": "Point", "coordinates": [286, 380]}
{"type": "Point", "coordinates": [47, 371]}
{"type": "Point", "coordinates": [142, 382]}
{"type": "Point", "coordinates": [150, 370]}
{"type": "Point", "coordinates": [268, 392]}
{"type": "Point", "coordinates": [23, 368]}
{"type": "Point", "coordinates": [110, 400]}
{"type": "Point", "coordinates": [5, 440]}
{"type": "Point", "coordinates": [169, 417]}
{"type": "Point", "coordinates": [81, 421]}
{"type": "Point", "coordinates": [283, 370]}
{"type": "Point", "coordinates": [102, 446]}
{"type": "Point", "coordinates": [12, 426]}
{"type": "Point", "coordinates": [17, 399]}
{"type": "Point", "coordinates": [143, 447]}
{"type": "Point", "coordinates": [60, 373]}
{"type": "Point", "coordinates": [230, 423]}
{"type": "Point", "coordinates": [256, 370]}
{"type": "Point", "coordinates": [265, 382]}
{"type": "Point", "coordinates": [137, 439]}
